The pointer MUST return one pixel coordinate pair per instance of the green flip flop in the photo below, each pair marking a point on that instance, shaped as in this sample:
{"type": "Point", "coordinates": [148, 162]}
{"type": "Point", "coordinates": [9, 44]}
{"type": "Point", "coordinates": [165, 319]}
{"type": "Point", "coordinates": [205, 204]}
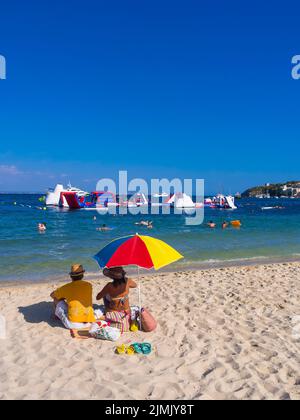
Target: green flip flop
{"type": "Point", "coordinates": [142, 348]}
{"type": "Point", "coordinates": [146, 348]}
{"type": "Point", "coordinates": [137, 348]}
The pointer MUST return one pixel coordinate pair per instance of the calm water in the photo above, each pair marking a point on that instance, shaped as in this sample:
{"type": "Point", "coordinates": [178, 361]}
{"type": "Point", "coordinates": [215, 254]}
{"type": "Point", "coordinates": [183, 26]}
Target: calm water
{"type": "Point", "coordinates": [72, 236]}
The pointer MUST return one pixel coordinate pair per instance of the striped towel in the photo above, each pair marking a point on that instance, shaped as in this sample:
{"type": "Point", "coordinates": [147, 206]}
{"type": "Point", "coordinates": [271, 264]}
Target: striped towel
{"type": "Point", "coordinates": [120, 320]}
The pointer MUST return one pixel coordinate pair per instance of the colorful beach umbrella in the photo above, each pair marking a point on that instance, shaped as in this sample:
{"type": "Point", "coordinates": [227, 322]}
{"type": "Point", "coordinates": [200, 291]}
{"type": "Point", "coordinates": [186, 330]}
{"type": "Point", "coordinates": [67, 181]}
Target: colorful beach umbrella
{"type": "Point", "coordinates": [138, 250]}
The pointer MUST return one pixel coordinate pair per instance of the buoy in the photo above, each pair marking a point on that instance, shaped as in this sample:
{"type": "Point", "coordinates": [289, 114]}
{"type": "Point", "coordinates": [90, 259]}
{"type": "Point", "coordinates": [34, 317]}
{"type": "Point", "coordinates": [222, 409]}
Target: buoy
{"type": "Point", "coordinates": [236, 223]}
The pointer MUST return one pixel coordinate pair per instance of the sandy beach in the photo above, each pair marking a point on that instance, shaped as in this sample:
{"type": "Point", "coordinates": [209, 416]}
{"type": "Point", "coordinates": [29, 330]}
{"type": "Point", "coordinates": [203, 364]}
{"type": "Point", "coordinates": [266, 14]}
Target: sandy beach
{"type": "Point", "coordinates": [224, 333]}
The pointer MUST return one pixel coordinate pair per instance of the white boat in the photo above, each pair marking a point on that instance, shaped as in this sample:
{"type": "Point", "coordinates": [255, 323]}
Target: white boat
{"type": "Point", "coordinates": [56, 198]}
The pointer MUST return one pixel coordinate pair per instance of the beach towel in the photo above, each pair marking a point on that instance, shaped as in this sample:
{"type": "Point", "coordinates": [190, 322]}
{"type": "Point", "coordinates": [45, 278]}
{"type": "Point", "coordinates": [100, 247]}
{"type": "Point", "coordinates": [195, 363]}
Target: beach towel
{"type": "Point", "coordinates": [120, 320]}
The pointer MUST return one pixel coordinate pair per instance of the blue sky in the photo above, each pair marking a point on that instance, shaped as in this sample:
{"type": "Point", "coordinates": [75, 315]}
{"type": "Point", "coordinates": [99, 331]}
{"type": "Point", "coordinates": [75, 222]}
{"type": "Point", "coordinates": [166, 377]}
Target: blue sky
{"type": "Point", "coordinates": [161, 88]}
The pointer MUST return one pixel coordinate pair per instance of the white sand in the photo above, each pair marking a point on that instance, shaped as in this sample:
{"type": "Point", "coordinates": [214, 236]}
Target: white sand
{"type": "Point", "coordinates": [223, 334]}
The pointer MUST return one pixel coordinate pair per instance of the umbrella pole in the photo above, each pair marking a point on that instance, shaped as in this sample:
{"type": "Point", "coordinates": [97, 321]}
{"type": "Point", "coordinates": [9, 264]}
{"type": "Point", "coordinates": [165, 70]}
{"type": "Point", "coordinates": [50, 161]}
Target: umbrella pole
{"type": "Point", "coordinates": [140, 299]}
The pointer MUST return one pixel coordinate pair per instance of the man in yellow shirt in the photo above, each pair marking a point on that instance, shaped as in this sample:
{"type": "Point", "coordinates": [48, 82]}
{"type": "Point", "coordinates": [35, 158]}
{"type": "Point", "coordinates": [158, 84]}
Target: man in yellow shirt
{"type": "Point", "coordinates": [74, 301]}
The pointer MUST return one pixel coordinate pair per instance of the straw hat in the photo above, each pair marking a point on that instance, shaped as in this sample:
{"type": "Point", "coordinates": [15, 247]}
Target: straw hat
{"type": "Point", "coordinates": [77, 270]}
{"type": "Point", "coordinates": [115, 273]}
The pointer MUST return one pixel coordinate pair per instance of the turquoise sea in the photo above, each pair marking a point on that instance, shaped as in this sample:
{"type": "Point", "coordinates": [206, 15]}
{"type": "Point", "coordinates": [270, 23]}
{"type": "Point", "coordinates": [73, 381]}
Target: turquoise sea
{"type": "Point", "coordinates": [25, 254]}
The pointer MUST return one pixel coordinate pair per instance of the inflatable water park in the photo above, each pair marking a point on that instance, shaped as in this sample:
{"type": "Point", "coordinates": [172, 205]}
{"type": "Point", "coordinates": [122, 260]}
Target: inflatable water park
{"type": "Point", "coordinates": [77, 199]}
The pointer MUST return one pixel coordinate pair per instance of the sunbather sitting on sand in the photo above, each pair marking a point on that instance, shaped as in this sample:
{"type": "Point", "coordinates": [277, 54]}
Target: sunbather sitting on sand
{"type": "Point", "coordinates": [116, 298]}
{"type": "Point", "coordinates": [116, 293]}
{"type": "Point", "coordinates": [74, 302]}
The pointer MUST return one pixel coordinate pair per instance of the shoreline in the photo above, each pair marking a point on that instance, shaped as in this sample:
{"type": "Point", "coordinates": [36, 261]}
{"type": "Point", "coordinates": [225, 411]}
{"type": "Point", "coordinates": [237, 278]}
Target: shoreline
{"type": "Point", "coordinates": [185, 269]}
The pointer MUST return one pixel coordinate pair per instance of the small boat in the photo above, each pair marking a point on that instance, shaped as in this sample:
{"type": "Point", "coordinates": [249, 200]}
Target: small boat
{"type": "Point", "coordinates": [273, 208]}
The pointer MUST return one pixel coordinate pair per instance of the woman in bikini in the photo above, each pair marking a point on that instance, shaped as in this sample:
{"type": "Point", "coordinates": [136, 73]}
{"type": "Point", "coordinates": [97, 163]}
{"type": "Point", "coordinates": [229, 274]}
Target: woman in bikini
{"type": "Point", "coordinates": [116, 297]}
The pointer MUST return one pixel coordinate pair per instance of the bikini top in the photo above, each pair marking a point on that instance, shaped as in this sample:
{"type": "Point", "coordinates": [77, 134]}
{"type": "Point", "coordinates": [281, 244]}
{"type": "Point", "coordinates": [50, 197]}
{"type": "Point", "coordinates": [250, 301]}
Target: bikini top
{"type": "Point", "coordinates": [122, 299]}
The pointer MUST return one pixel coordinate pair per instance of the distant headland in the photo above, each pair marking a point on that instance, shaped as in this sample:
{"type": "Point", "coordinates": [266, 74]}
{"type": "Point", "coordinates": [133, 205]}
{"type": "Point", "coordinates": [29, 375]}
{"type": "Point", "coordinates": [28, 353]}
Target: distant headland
{"type": "Point", "coordinates": [288, 189]}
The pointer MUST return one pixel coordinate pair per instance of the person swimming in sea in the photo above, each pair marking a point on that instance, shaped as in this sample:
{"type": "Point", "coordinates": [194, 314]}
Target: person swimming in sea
{"type": "Point", "coordinates": [150, 225]}
{"type": "Point", "coordinates": [147, 223]}
{"type": "Point", "coordinates": [42, 227]}
{"type": "Point", "coordinates": [211, 224]}
{"type": "Point", "coordinates": [224, 225]}
{"type": "Point", "coordinates": [142, 223]}
{"type": "Point", "coordinates": [104, 228]}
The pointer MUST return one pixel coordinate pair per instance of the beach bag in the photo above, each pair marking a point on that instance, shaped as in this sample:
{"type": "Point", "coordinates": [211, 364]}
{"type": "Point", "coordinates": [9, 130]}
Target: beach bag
{"type": "Point", "coordinates": [148, 321]}
{"type": "Point", "coordinates": [108, 333]}
{"type": "Point", "coordinates": [119, 320]}
{"type": "Point", "coordinates": [103, 331]}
